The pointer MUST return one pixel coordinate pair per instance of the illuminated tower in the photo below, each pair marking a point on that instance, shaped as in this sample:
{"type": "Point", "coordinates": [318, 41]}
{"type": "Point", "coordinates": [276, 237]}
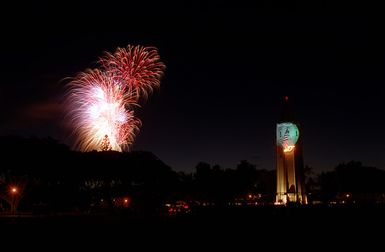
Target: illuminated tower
{"type": "Point", "coordinates": [290, 170]}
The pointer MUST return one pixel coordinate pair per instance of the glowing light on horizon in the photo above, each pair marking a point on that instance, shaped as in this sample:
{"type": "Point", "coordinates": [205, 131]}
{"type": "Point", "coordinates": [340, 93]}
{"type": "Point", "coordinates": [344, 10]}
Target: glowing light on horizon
{"type": "Point", "coordinates": [13, 190]}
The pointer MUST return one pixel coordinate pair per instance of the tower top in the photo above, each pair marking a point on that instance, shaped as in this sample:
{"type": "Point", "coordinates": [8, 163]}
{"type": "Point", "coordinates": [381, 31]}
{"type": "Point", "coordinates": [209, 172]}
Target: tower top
{"type": "Point", "coordinates": [286, 111]}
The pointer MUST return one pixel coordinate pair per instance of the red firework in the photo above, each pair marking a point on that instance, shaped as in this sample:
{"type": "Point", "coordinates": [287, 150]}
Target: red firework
{"type": "Point", "coordinates": [138, 67]}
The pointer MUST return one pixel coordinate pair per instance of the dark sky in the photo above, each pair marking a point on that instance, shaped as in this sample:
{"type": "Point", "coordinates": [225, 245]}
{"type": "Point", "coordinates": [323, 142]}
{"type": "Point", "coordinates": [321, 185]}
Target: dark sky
{"type": "Point", "coordinates": [227, 71]}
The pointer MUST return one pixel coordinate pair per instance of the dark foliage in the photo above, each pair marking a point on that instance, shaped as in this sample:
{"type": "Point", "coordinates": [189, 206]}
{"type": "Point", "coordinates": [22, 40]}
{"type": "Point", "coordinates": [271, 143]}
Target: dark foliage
{"type": "Point", "coordinates": [55, 179]}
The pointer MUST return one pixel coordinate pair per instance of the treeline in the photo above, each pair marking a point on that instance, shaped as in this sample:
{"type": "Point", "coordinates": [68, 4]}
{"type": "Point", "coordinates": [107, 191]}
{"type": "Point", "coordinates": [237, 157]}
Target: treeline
{"type": "Point", "coordinates": [50, 176]}
{"type": "Point", "coordinates": [350, 182]}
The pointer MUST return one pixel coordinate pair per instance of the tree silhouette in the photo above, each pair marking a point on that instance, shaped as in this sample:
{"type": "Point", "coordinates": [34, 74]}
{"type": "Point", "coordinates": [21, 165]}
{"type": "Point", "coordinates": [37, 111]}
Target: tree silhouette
{"type": "Point", "coordinates": [246, 177]}
{"type": "Point", "coordinates": [59, 179]}
{"type": "Point", "coordinates": [351, 178]}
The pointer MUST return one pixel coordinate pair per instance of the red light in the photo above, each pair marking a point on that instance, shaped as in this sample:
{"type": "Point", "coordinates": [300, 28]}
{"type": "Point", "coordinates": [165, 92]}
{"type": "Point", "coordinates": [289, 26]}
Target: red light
{"type": "Point", "coordinates": [286, 98]}
{"type": "Point", "coordinates": [186, 206]}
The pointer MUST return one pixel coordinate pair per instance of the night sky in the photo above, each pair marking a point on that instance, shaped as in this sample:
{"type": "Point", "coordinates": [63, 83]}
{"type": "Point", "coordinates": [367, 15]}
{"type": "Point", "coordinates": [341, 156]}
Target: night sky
{"type": "Point", "coordinates": [228, 70]}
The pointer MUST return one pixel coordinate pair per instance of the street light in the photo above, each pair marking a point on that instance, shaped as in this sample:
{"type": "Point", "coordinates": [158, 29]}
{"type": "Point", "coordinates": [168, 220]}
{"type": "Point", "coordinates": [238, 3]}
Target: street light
{"type": "Point", "coordinates": [14, 191]}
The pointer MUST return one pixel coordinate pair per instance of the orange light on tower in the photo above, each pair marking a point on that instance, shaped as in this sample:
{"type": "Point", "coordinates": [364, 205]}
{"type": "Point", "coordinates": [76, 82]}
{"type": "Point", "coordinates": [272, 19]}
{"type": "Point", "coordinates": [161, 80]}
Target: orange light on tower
{"type": "Point", "coordinates": [289, 148]}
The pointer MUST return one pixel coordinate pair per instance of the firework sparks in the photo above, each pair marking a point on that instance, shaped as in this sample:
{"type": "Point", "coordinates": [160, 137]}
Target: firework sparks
{"type": "Point", "coordinates": [138, 67]}
{"type": "Point", "coordinates": [99, 107]}
{"type": "Point", "coordinates": [101, 102]}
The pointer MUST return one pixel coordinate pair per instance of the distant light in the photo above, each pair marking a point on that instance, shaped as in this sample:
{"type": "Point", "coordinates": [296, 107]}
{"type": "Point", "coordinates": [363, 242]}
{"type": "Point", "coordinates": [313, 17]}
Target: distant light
{"type": "Point", "coordinates": [250, 195]}
{"type": "Point", "coordinates": [125, 200]}
{"type": "Point", "coordinates": [286, 98]}
{"type": "Point", "coordinates": [347, 195]}
{"type": "Point", "coordinates": [13, 190]}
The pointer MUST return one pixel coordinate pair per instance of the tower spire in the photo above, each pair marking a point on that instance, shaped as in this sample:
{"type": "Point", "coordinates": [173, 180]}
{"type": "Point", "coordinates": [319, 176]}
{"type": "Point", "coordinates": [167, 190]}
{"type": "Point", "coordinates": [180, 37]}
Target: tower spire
{"type": "Point", "coordinates": [286, 111]}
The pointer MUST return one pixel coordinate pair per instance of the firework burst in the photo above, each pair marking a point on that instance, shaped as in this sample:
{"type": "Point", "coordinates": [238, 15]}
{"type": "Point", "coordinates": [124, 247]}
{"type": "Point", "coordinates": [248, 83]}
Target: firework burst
{"type": "Point", "coordinates": [101, 102]}
{"type": "Point", "coordinates": [138, 68]}
{"type": "Point", "coordinates": [99, 107]}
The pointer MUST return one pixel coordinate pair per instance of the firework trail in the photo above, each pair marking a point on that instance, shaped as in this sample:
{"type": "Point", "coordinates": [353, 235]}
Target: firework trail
{"type": "Point", "coordinates": [138, 68]}
{"type": "Point", "coordinates": [99, 107]}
